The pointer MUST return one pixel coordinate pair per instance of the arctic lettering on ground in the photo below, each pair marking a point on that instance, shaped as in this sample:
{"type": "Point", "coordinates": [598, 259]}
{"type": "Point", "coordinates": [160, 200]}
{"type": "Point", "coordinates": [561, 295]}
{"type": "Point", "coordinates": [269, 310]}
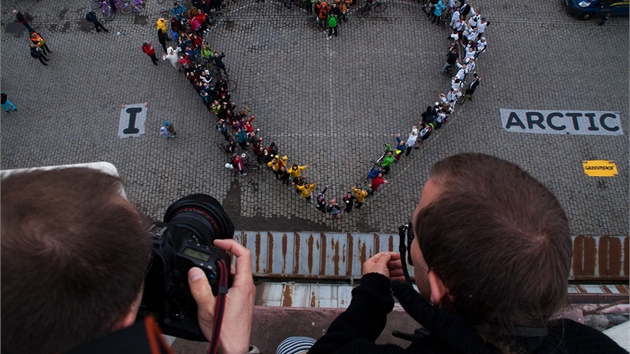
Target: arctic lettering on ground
{"type": "Point", "coordinates": [561, 122]}
{"type": "Point", "coordinates": [600, 168]}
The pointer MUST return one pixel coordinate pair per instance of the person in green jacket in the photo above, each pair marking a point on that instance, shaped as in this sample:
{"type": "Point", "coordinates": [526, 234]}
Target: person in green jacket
{"type": "Point", "coordinates": [206, 53]}
{"type": "Point", "coordinates": [388, 160]}
{"type": "Point", "coordinates": [332, 24]}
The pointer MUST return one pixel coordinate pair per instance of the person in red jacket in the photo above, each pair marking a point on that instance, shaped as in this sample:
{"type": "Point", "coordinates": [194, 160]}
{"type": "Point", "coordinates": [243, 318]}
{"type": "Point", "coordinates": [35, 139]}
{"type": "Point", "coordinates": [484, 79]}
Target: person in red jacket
{"type": "Point", "coordinates": [376, 183]}
{"type": "Point", "coordinates": [148, 49]}
{"type": "Point", "coordinates": [238, 164]}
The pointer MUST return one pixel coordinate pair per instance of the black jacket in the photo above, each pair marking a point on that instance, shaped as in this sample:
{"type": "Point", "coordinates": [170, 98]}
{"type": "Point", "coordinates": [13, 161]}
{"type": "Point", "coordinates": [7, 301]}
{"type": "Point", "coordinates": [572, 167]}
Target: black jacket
{"type": "Point", "coordinates": [452, 58]}
{"type": "Point", "coordinates": [472, 87]}
{"type": "Point", "coordinates": [91, 17]}
{"type": "Point", "coordinates": [36, 52]}
{"type": "Point", "coordinates": [144, 337]}
{"type": "Point", "coordinates": [355, 330]}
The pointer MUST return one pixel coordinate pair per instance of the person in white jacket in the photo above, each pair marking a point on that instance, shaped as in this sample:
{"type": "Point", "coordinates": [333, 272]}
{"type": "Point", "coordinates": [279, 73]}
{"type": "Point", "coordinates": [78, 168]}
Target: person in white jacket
{"type": "Point", "coordinates": [411, 140]}
{"type": "Point", "coordinates": [172, 56]}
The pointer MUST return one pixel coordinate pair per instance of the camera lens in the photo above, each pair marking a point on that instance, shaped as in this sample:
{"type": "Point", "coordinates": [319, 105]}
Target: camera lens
{"type": "Point", "coordinates": [203, 216]}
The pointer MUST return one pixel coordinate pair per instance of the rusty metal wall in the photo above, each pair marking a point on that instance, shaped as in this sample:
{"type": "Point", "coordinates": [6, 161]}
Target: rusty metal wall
{"type": "Point", "coordinates": [340, 255]}
{"type": "Point", "coordinates": [600, 258]}
{"type": "Point", "coordinates": [299, 294]}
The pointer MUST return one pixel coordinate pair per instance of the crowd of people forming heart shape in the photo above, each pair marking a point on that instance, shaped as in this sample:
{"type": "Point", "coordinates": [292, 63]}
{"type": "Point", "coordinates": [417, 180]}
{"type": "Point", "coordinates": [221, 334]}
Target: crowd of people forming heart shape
{"type": "Point", "coordinates": [208, 75]}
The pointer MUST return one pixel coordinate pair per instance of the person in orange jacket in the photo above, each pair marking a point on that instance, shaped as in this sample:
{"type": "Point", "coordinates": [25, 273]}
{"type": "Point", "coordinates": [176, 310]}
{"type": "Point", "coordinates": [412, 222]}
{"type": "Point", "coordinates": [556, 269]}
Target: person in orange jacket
{"type": "Point", "coordinates": [343, 8]}
{"type": "Point", "coordinates": [37, 39]}
{"type": "Point", "coordinates": [322, 12]}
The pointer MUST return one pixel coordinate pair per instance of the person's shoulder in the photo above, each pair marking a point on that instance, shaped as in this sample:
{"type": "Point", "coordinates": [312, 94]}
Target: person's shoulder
{"type": "Point", "coordinates": [579, 338]}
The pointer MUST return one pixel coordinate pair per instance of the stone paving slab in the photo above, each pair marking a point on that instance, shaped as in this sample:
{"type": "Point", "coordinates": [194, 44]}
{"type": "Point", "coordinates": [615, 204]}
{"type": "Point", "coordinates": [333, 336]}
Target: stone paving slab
{"type": "Point", "coordinates": [329, 104]}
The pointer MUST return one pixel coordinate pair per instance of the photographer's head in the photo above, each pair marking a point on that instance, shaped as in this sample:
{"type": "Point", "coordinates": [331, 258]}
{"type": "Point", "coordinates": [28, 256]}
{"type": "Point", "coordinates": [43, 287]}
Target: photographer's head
{"type": "Point", "coordinates": [492, 243]}
{"type": "Point", "coordinates": [74, 255]}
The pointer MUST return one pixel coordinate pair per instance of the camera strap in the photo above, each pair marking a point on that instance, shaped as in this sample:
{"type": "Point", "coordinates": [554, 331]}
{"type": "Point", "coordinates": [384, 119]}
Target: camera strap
{"type": "Point", "coordinates": [219, 307]}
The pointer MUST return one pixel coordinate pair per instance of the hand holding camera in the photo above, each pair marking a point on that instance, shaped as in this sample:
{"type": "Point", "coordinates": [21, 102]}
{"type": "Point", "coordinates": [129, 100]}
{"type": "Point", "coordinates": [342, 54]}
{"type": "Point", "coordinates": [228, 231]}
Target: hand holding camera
{"type": "Point", "coordinates": [237, 319]}
{"type": "Point", "coordinates": [188, 287]}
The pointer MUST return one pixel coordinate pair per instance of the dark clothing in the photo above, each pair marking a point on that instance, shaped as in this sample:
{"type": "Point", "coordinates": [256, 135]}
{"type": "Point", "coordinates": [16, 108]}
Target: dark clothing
{"type": "Point", "coordinates": [470, 90]}
{"type": "Point", "coordinates": [142, 338]}
{"type": "Point", "coordinates": [464, 10]}
{"type": "Point", "coordinates": [472, 87]}
{"type": "Point", "coordinates": [21, 19]}
{"type": "Point", "coordinates": [176, 25]}
{"type": "Point", "coordinates": [355, 330]}
{"type": "Point", "coordinates": [112, 3]}
{"type": "Point", "coordinates": [37, 53]}
{"type": "Point", "coordinates": [3, 97]}
{"type": "Point", "coordinates": [91, 17]}
{"type": "Point", "coordinates": [223, 130]}
{"type": "Point", "coordinates": [284, 176]}
{"type": "Point", "coordinates": [162, 39]}
{"type": "Point", "coordinates": [218, 61]}
{"type": "Point", "coordinates": [349, 202]}
{"type": "Point", "coordinates": [452, 58]}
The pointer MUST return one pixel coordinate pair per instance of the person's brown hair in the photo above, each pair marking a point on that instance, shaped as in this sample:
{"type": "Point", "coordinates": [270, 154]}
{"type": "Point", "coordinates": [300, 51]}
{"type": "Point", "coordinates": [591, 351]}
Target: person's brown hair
{"type": "Point", "coordinates": [74, 255]}
{"type": "Point", "coordinates": [499, 240]}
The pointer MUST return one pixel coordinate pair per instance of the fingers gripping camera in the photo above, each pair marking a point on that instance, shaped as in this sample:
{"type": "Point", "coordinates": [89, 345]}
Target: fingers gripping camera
{"type": "Point", "coordinates": [184, 240]}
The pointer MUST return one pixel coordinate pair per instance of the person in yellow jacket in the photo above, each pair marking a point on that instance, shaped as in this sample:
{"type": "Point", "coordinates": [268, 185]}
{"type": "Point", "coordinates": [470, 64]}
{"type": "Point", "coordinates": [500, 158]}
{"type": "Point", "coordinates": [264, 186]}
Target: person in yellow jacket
{"type": "Point", "coordinates": [161, 32]}
{"type": "Point", "coordinates": [276, 163]}
{"type": "Point", "coordinates": [161, 24]}
{"type": "Point", "coordinates": [359, 194]}
{"type": "Point", "coordinates": [296, 172]}
{"type": "Point", "coordinates": [306, 190]}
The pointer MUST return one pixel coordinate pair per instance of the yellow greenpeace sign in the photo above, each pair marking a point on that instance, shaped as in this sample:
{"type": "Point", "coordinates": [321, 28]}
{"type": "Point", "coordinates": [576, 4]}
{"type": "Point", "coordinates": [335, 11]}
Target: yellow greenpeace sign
{"type": "Point", "coordinates": [600, 168]}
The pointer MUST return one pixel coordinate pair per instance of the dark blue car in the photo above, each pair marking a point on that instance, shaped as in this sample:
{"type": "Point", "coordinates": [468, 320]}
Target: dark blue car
{"type": "Point", "coordinates": [586, 9]}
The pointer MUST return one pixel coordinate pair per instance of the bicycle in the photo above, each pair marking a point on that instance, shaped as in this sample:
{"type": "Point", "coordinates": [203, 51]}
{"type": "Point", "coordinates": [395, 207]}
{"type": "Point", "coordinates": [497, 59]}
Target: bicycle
{"type": "Point", "coordinates": [222, 74]}
{"type": "Point", "coordinates": [229, 86]}
{"type": "Point", "coordinates": [108, 14]}
{"type": "Point", "coordinates": [252, 166]}
{"type": "Point", "coordinates": [375, 6]}
{"type": "Point", "coordinates": [226, 148]}
{"type": "Point", "coordinates": [129, 6]}
{"type": "Point", "coordinates": [246, 165]}
{"type": "Point", "coordinates": [223, 80]}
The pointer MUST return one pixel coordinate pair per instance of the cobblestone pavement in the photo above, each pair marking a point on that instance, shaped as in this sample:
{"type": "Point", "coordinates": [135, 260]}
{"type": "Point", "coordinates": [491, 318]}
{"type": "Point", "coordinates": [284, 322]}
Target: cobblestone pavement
{"type": "Point", "coordinates": [330, 104]}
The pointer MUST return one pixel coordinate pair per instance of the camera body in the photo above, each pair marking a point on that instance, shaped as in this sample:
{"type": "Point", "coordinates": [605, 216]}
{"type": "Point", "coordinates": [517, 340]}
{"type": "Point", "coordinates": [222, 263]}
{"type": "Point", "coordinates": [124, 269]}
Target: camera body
{"type": "Point", "coordinates": [182, 241]}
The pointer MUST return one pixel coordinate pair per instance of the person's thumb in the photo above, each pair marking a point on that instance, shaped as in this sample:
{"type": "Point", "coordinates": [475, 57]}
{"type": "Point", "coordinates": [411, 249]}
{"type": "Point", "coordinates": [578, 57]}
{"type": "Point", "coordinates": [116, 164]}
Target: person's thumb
{"type": "Point", "coordinates": [201, 292]}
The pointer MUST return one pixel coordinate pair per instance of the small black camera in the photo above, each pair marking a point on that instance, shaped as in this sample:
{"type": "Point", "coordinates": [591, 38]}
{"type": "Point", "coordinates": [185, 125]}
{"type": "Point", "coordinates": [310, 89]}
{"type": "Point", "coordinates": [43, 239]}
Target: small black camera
{"type": "Point", "coordinates": [184, 240]}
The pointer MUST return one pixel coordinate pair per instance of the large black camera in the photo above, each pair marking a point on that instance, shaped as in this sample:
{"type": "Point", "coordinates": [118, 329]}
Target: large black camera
{"type": "Point", "coordinates": [184, 240]}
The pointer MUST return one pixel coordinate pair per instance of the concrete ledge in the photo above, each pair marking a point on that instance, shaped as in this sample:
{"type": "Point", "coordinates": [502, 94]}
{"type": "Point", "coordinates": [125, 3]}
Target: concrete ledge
{"type": "Point", "coordinates": [273, 324]}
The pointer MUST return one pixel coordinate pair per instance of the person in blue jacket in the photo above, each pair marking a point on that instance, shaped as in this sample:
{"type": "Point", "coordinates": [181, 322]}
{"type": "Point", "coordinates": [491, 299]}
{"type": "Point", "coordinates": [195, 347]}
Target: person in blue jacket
{"type": "Point", "coordinates": [437, 12]}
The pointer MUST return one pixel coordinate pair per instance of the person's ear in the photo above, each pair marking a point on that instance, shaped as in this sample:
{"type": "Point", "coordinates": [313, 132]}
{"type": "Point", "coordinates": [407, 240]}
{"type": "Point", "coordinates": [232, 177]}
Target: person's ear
{"type": "Point", "coordinates": [438, 290]}
{"type": "Point", "coordinates": [129, 318]}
